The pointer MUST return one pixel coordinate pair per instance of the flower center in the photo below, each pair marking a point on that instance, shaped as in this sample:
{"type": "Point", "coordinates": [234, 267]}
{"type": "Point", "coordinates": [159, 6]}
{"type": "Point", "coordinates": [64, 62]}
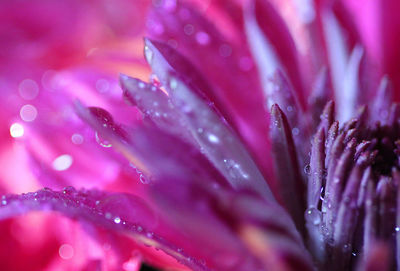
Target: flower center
{"type": "Point", "coordinates": [353, 189]}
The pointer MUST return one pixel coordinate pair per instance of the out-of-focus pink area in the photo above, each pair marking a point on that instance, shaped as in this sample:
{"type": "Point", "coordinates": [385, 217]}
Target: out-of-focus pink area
{"type": "Point", "coordinates": [52, 53]}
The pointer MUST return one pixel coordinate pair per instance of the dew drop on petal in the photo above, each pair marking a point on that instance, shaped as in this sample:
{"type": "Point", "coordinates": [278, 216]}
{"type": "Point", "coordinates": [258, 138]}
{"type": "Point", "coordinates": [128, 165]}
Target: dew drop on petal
{"type": "Point", "coordinates": [62, 162]}
{"type": "Point", "coordinates": [28, 113]}
{"type": "Point", "coordinates": [66, 251]}
{"type": "Point", "coordinates": [213, 138]}
{"type": "Point", "coordinates": [117, 220]}
{"type": "Point", "coordinates": [397, 229]}
{"type": "Point", "coordinates": [16, 130]}
{"type": "Point", "coordinates": [313, 216]}
{"type": "Point", "coordinates": [307, 169]}
{"type": "Point", "coordinates": [102, 142]}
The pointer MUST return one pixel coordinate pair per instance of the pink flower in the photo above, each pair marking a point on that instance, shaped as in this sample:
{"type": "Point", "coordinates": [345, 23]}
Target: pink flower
{"type": "Point", "coordinates": [230, 158]}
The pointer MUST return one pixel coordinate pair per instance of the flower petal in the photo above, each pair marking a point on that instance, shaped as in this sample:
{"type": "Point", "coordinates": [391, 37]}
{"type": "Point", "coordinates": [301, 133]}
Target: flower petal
{"type": "Point", "coordinates": [215, 138]}
{"type": "Point", "coordinates": [235, 89]}
{"type": "Point", "coordinates": [272, 46]}
{"type": "Point", "coordinates": [291, 185]}
{"type": "Point", "coordinates": [98, 209]}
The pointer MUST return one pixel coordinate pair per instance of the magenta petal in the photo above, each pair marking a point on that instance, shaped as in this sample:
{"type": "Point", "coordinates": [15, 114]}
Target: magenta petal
{"type": "Point", "coordinates": [235, 88]}
{"type": "Point", "coordinates": [100, 209]}
{"type": "Point", "coordinates": [272, 46]}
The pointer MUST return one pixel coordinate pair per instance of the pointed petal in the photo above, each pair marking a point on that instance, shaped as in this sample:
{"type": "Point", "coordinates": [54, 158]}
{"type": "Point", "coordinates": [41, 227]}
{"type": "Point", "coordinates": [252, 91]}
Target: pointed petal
{"type": "Point", "coordinates": [291, 185]}
{"type": "Point", "coordinates": [335, 184]}
{"type": "Point", "coordinates": [346, 221]}
{"type": "Point", "coordinates": [316, 179]}
{"type": "Point", "coordinates": [330, 139]}
{"type": "Point", "coordinates": [348, 97]}
{"type": "Point", "coordinates": [327, 116]}
{"type": "Point", "coordinates": [272, 45]}
{"type": "Point", "coordinates": [319, 97]}
{"type": "Point", "coordinates": [281, 93]}
{"type": "Point", "coordinates": [382, 101]}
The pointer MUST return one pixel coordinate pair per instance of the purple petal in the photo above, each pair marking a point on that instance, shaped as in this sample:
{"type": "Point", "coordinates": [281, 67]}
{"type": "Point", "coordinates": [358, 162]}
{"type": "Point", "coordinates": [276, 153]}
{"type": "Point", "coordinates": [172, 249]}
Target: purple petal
{"type": "Point", "coordinates": [337, 55]}
{"type": "Point", "coordinates": [155, 105]}
{"type": "Point", "coordinates": [382, 101]}
{"type": "Point", "coordinates": [155, 153]}
{"type": "Point", "coordinates": [346, 221]}
{"type": "Point", "coordinates": [316, 179]}
{"type": "Point", "coordinates": [199, 210]}
{"type": "Point", "coordinates": [215, 138]}
{"type": "Point", "coordinates": [291, 186]}
{"type": "Point", "coordinates": [319, 97]}
{"type": "Point", "coordinates": [349, 95]}
{"type": "Point", "coordinates": [335, 182]}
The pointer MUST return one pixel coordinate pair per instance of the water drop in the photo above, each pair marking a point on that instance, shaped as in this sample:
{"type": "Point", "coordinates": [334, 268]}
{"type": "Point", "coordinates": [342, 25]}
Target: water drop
{"type": "Point", "coordinates": [313, 216]}
{"type": "Point", "coordinates": [68, 190]}
{"type": "Point", "coordinates": [143, 179]}
{"type": "Point", "coordinates": [4, 202]}
{"type": "Point", "coordinates": [103, 142]}
{"type": "Point", "coordinates": [117, 220]}
{"type": "Point", "coordinates": [307, 169]}
{"type": "Point", "coordinates": [397, 229]}
{"type": "Point", "coordinates": [213, 138]}
{"type": "Point", "coordinates": [295, 131]}
{"type": "Point", "coordinates": [173, 83]}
